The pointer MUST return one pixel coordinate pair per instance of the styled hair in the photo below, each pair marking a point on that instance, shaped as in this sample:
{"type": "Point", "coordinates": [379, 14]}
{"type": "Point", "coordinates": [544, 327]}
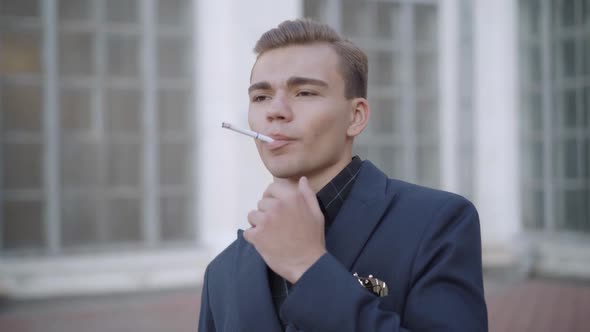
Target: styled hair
{"type": "Point", "coordinates": [353, 61]}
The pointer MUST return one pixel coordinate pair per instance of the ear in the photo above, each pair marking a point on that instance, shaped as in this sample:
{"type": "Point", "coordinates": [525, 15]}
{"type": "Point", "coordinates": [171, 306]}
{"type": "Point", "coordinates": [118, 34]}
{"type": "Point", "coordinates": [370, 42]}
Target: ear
{"type": "Point", "coordinates": [359, 117]}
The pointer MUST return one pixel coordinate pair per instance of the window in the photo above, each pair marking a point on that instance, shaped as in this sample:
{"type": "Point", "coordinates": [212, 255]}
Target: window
{"type": "Point", "coordinates": [401, 42]}
{"type": "Point", "coordinates": [95, 124]}
{"type": "Point", "coordinates": [555, 104]}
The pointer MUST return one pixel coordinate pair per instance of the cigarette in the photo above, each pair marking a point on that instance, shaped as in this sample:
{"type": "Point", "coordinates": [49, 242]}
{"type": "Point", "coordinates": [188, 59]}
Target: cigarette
{"type": "Point", "coordinates": [247, 132]}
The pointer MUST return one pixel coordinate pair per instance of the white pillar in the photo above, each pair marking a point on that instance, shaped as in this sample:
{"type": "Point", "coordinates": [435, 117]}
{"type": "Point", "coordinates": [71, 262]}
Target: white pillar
{"type": "Point", "coordinates": [230, 177]}
{"type": "Point", "coordinates": [497, 183]}
{"type": "Point", "coordinates": [449, 95]}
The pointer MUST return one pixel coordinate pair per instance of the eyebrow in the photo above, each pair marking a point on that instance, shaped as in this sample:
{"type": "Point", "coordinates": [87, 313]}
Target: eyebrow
{"type": "Point", "coordinates": [292, 81]}
{"type": "Point", "coordinates": [259, 86]}
{"type": "Point", "coordinates": [296, 80]}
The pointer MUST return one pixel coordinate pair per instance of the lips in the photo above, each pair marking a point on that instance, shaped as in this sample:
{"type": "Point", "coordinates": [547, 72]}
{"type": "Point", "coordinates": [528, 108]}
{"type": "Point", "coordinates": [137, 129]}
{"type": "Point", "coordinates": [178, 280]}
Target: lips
{"type": "Point", "coordinates": [279, 141]}
{"type": "Point", "coordinates": [280, 137]}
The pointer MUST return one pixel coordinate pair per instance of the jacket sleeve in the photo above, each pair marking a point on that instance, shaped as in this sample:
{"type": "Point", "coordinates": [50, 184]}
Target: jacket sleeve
{"type": "Point", "coordinates": [446, 291]}
{"type": "Point", "coordinates": [206, 322]}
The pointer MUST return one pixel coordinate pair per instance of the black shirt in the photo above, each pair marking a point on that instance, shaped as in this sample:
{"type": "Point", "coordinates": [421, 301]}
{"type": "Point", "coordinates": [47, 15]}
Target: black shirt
{"type": "Point", "coordinates": [330, 198]}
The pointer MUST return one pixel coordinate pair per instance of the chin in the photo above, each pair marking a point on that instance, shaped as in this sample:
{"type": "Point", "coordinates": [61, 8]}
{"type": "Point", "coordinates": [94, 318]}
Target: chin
{"type": "Point", "coordinates": [283, 172]}
{"type": "Point", "coordinates": [283, 168]}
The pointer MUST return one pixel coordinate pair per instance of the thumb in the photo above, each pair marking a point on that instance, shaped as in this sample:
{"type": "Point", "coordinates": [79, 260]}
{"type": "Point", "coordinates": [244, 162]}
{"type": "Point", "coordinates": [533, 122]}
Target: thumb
{"type": "Point", "coordinates": [309, 196]}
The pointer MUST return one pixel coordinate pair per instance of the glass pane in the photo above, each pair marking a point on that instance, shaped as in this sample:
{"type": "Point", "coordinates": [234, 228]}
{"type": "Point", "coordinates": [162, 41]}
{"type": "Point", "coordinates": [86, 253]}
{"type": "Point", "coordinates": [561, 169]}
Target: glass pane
{"type": "Point", "coordinates": [124, 166]}
{"type": "Point", "coordinates": [173, 12]}
{"type": "Point", "coordinates": [536, 150]}
{"type": "Point", "coordinates": [390, 160]}
{"type": "Point", "coordinates": [567, 49]}
{"type": "Point", "coordinates": [122, 11]}
{"type": "Point", "coordinates": [426, 71]}
{"type": "Point", "coordinates": [22, 164]}
{"type": "Point", "coordinates": [569, 109]}
{"type": "Point", "coordinates": [174, 160]}
{"type": "Point", "coordinates": [76, 53]}
{"type": "Point", "coordinates": [427, 118]}
{"type": "Point", "coordinates": [123, 111]}
{"type": "Point", "coordinates": [388, 20]}
{"type": "Point", "coordinates": [534, 111]}
{"type": "Point", "coordinates": [23, 225]}
{"type": "Point", "coordinates": [353, 20]}
{"type": "Point", "coordinates": [174, 222]}
{"type": "Point", "coordinates": [124, 220]}
{"type": "Point", "coordinates": [382, 68]}
{"type": "Point", "coordinates": [586, 107]}
{"type": "Point", "coordinates": [428, 166]}
{"type": "Point", "coordinates": [532, 61]}
{"type": "Point", "coordinates": [79, 222]}
{"type": "Point", "coordinates": [172, 57]}
{"type": "Point", "coordinates": [566, 12]}
{"type": "Point", "coordinates": [20, 8]}
{"type": "Point", "coordinates": [79, 164]}
{"type": "Point", "coordinates": [531, 12]}
{"type": "Point", "coordinates": [575, 209]}
{"type": "Point", "coordinates": [75, 110]}
{"type": "Point", "coordinates": [74, 10]}
{"type": "Point", "coordinates": [570, 158]}
{"type": "Point", "coordinates": [586, 52]}
{"type": "Point", "coordinates": [585, 14]}
{"type": "Point", "coordinates": [21, 108]}
{"type": "Point", "coordinates": [385, 117]}
{"type": "Point", "coordinates": [20, 52]}
{"type": "Point", "coordinates": [173, 111]}
{"type": "Point", "coordinates": [425, 23]}
{"type": "Point", "coordinates": [123, 56]}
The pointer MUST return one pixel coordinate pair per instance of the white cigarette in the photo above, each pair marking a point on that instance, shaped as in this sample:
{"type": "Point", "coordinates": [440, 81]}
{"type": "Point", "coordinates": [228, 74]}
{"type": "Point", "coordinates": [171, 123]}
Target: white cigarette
{"type": "Point", "coordinates": [247, 132]}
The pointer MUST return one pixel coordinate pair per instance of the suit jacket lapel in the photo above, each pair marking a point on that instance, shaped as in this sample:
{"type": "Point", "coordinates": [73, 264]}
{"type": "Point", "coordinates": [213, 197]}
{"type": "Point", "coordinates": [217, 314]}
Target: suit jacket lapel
{"type": "Point", "coordinates": [360, 214]}
{"type": "Point", "coordinates": [255, 310]}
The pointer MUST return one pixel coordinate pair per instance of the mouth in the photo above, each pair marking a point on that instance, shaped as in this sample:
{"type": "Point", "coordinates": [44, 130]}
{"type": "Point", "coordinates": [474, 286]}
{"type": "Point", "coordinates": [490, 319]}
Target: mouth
{"type": "Point", "coordinates": [279, 141]}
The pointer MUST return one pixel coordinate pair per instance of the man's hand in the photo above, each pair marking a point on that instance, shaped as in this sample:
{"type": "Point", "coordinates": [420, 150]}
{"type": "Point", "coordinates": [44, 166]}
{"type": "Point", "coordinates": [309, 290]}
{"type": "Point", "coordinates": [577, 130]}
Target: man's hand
{"type": "Point", "coordinates": [288, 228]}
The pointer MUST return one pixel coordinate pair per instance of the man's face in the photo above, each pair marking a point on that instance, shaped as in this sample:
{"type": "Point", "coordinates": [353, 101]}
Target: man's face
{"type": "Point", "coordinates": [297, 97]}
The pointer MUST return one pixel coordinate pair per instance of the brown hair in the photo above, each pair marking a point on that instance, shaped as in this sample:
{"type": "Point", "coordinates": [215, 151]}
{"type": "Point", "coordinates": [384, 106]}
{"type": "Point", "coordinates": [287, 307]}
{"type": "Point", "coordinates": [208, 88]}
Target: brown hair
{"type": "Point", "coordinates": [353, 61]}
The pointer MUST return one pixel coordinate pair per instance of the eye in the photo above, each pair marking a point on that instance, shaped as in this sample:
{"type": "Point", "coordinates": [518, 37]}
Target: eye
{"type": "Point", "coordinates": [306, 93]}
{"type": "Point", "coordinates": [259, 98]}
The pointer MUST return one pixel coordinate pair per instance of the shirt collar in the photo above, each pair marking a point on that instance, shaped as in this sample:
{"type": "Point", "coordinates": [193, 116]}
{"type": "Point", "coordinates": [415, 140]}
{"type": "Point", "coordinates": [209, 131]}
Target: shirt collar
{"type": "Point", "coordinates": [332, 195]}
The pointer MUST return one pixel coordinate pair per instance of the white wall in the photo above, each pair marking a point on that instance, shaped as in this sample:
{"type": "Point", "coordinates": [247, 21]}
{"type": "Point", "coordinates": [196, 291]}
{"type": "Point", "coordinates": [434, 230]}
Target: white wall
{"type": "Point", "coordinates": [231, 177]}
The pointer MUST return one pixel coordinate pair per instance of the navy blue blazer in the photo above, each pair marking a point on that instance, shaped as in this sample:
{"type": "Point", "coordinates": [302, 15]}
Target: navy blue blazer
{"type": "Point", "coordinates": [424, 243]}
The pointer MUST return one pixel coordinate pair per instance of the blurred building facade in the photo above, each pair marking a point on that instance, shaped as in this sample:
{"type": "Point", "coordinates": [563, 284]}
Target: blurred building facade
{"type": "Point", "coordinates": [116, 175]}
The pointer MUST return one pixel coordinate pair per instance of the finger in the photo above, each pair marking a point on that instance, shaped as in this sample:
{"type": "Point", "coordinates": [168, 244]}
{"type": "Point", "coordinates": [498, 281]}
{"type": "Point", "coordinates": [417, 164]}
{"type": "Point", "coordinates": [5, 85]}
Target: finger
{"type": "Point", "coordinates": [266, 204]}
{"type": "Point", "coordinates": [280, 188]}
{"type": "Point", "coordinates": [250, 235]}
{"type": "Point", "coordinates": [255, 218]}
{"type": "Point", "coordinates": [272, 190]}
{"type": "Point", "coordinates": [309, 196]}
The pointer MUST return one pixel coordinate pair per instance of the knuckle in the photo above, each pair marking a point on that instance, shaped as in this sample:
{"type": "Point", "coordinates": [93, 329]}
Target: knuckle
{"type": "Point", "coordinates": [251, 215]}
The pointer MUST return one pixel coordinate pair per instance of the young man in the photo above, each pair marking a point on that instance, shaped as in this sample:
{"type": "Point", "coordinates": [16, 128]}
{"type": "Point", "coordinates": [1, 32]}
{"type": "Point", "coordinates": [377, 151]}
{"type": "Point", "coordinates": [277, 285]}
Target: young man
{"type": "Point", "coordinates": [308, 258]}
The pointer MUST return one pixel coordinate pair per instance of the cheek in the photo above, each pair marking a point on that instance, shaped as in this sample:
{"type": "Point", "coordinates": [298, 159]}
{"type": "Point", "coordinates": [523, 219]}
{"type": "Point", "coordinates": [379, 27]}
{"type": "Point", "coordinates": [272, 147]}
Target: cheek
{"type": "Point", "coordinates": [332, 124]}
{"type": "Point", "coordinates": [254, 120]}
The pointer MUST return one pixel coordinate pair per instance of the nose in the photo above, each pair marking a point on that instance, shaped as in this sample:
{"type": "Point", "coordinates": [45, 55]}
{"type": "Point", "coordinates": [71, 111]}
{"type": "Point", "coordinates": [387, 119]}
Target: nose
{"type": "Point", "coordinates": [279, 109]}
